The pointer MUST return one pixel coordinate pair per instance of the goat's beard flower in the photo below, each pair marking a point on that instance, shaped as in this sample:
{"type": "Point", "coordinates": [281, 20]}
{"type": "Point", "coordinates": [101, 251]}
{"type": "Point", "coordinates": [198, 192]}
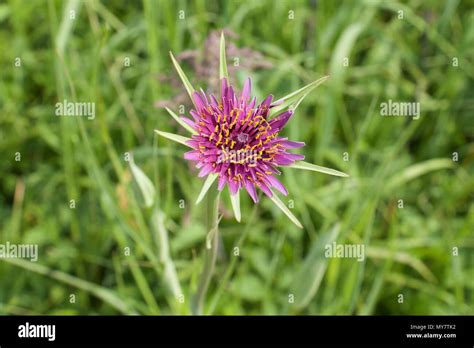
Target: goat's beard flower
{"type": "Point", "coordinates": [236, 140]}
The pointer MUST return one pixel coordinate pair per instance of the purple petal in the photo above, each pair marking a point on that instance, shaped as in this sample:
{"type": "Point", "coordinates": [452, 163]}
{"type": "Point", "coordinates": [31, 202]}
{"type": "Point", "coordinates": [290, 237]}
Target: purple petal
{"type": "Point", "coordinates": [291, 144]}
{"type": "Point", "coordinates": [214, 102]}
{"type": "Point", "coordinates": [223, 87]}
{"type": "Point", "coordinates": [198, 101]}
{"type": "Point", "coordinates": [252, 103]}
{"type": "Point", "coordinates": [277, 184]}
{"type": "Point", "coordinates": [251, 190]}
{"type": "Point", "coordinates": [280, 121]}
{"type": "Point", "coordinates": [282, 160]}
{"type": "Point", "coordinates": [294, 156]}
{"type": "Point", "coordinates": [192, 155]}
{"type": "Point", "coordinates": [233, 186]}
{"type": "Point", "coordinates": [205, 170]}
{"type": "Point", "coordinates": [188, 122]}
{"type": "Point", "coordinates": [267, 101]}
{"type": "Point", "coordinates": [204, 97]}
{"type": "Point", "coordinates": [265, 189]}
{"type": "Point", "coordinates": [246, 90]}
{"type": "Point", "coordinates": [195, 115]}
{"type": "Point", "coordinates": [193, 143]}
{"type": "Point", "coordinates": [221, 182]}
{"type": "Point", "coordinates": [276, 103]}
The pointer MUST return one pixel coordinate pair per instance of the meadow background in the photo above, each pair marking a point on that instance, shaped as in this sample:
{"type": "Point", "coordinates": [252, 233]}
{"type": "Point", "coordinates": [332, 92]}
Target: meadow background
{"type": "Point", "coordinates": [115, 256]}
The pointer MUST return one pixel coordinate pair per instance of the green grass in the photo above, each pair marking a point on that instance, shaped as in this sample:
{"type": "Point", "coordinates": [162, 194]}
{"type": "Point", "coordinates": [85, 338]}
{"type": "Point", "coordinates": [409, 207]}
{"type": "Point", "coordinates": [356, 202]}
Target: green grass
{"type": "Point", "coordinates": [118, 256]}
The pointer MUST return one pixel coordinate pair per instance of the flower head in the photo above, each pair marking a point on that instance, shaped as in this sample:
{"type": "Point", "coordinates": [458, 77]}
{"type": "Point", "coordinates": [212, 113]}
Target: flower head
{"type": "Point", "coordinates": [236, 140]}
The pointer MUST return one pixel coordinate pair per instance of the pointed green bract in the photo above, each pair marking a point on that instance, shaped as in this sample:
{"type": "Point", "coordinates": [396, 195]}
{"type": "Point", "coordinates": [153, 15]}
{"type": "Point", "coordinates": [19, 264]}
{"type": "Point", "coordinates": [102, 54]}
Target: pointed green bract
{"type": "Point", "coordinates": [315, 168]}
{"type": "Point", "coordinates": [223, 73]}
{"type": "Point", "coordinates": [189, 88]}
{"type": "Point", "coordinates": [175, 137]}
{"type": "Point", "coordinates": [292, 100]}
{"type": "Point", "coordinates": [235, 200]}
{"type": "Point", "coordinates": [180, 121]}
{"type": "Point", "coordinates": [207, 185]}
{"type": "Point", "coordinates": [285, 209]}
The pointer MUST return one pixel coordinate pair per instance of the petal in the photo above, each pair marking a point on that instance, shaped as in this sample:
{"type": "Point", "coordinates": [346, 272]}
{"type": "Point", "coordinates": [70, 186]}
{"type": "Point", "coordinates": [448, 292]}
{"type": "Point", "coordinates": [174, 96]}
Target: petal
{"type": "Point", "coordinates": [267, 101]}
{"type": "Point", "coordinates": [252, 103]}
{"type": "Point", "coordinates": [205, 170]}
{"type": "Point", "coordinates": [277, 184]}
{"type": "Point", "coordinates": [246, 90]}
{"type": "Point", "coordinates": [188, 122]}
{"type": "Point", "coordinates": [195, 115]}
{"type": "Point", "coordinates": [233, 186]}
{"type": "Point", "coordinates": [223, 87]}
{"type": "Point", "coordinates": [204, 97]}
{"type": "Point", "coordinates": [221, 182]}
{"type": "Point", "coordinates": [265, 189]}
{"type": "Point", "coordinates": [192, 155]}
{"type": "Point", "coordinates": [251, 190]}
{"type": "Point", "coordinates": [282, 160]}
{"type": "Point", "coordinates": [291, 144]}
{"type": "Point", "coordinates": [198, 101]}
{"type": "Point", "coordinates": [280, 121]}
{"type": "Point", "coordinates": [277, 102]}
{"type": "Point", "coordinates": [214, 101]}
{"type": "Point", "coordinates": [294, 156]}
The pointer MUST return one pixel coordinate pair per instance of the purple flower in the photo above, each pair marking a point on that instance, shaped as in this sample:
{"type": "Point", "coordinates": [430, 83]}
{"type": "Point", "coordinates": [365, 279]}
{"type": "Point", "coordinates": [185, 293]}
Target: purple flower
{"type": "Point", "coordinates": [236, 140]}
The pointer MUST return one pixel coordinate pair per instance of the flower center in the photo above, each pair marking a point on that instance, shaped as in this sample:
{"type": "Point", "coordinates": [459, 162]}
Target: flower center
{"type": "Point", "coordinates": [243, 137]}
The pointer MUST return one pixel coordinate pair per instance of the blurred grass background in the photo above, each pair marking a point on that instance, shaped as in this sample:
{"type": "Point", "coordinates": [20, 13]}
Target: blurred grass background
{"type": "Point", "coordinates": [84, 251]}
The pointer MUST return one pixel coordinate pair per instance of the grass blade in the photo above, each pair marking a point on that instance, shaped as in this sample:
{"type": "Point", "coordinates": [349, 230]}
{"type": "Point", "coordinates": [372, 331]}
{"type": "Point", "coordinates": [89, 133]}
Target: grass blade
{"type": "Point", "coordinates": [144, 186]}
{"type": "Point", "coordinates": [419, 169]}
{"type": "Point", "coordinates": [102, 293]}
{"type": "Point", "coordinates": [315, 168]}
{"type": "Point", "coordinates": [285, 209]}
{"type": "Point", "coordinates": [311, 273]}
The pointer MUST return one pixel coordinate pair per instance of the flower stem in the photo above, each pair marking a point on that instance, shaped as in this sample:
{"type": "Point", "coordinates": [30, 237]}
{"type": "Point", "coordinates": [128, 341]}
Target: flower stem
{"type": "Point", "coordinates": [212, 224]}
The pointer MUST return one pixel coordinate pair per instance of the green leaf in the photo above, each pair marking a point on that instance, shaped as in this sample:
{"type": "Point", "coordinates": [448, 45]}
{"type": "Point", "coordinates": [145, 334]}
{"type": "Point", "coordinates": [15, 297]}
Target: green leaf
{"type": "Point", "coordinates": [343, 49]}
{"type": "Point", "coordinates": [285, 209]}
{"type": "Point", "coordinates": [66, 27]}
{"type": "Point", "coordinates": [189, 88]}
{"type": "Point", "coordinates": [248, 287]}
{"type": "Point", "coordinates": [104, 294]}
{"type": "Point", "coordinates": [207, 185]}
{"type": "Point", "coordinates": [142, 185]}
{"type": "Point", "coordinates": [180, 121]}
{"type": "Point", "coordinates": [310, 275]}
{"type": "Point", "coordinates": [222, 59]}
{"type": "Point", "coordinates": [294, 99]}
{"type": "Point", "coordinates": [175, 137]}
{"type": "Point", "coordinates": [309, 166]}
{"type": "Point", "coordinates": [417, 170]}
{"type": "Point", "coordinates": [235, 200]}
{"type": "Point", "coordinates": [402, 257]}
